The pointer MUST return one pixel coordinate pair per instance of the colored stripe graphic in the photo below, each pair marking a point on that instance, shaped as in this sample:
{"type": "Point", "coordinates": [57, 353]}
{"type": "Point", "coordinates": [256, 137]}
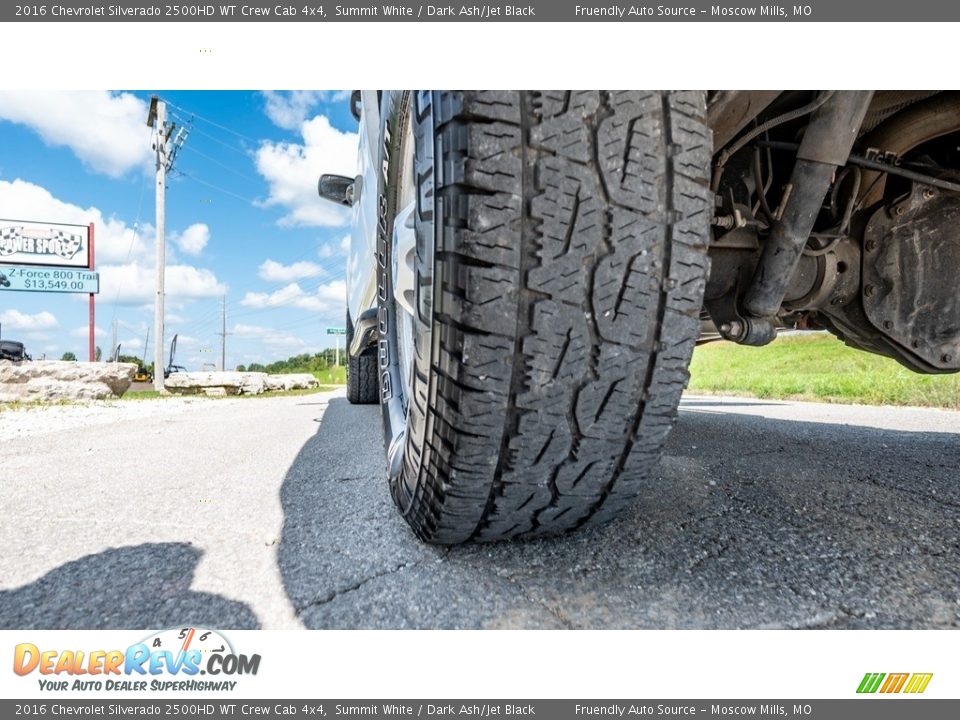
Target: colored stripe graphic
{"type": "Point", "coordinates": [918, 682]}
{"type": "Point", "coordinates": [894, 682]}
{"type": "Point", "coordinates": [870, 682]}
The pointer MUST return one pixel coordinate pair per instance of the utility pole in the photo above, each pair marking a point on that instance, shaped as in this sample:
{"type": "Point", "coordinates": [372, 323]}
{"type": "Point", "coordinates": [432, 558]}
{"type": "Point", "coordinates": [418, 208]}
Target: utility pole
{"type": "Point", "coordinates": [166, 153]}
{"type": "Point", "coordinates": [157, 119]}
{"type": "Point", "coordinates": [113, 347]}
{"type": "Point", "coordinates": [146, 344]}
{"type": "Point", "coordinates": [223, 334]}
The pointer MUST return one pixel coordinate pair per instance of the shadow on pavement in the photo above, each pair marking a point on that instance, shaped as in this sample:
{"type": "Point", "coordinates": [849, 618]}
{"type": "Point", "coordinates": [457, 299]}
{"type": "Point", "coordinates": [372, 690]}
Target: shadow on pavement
{"type": "Point", "coordinates": [751, 522]}
{"type": "Point", "coordinates": [142, 586]}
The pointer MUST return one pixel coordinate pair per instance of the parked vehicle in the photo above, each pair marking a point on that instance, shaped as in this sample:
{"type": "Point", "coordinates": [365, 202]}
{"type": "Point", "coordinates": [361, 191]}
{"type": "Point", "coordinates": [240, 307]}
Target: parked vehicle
{"type": "Point", "coordinates": [14, 351]}
{"type": "Point", "coordinates": [530, 271]}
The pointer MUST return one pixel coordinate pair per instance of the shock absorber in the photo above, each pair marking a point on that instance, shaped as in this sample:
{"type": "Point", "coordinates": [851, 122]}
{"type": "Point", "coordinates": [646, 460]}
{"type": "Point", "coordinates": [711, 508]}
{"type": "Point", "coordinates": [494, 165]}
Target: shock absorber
{"type": "Point", "coordinates": [825, 146]}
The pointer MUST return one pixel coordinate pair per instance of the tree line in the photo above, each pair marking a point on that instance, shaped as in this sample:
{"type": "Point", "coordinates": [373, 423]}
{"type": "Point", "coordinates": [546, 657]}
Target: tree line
{"type": "Point", "coordinates": [304, 363]}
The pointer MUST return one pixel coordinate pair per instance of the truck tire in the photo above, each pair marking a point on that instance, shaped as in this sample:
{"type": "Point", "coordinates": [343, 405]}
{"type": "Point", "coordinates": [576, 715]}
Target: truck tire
{"type": "Point", "coordinates": [361, 373]}
{"type": "Point", "coordinates": [560, 265]}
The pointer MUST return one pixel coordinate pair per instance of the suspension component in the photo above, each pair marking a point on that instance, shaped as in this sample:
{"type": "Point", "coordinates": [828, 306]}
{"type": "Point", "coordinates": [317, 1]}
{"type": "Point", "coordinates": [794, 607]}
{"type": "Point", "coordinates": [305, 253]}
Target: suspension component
{"type": "Point", "coordinates": [825, 147]}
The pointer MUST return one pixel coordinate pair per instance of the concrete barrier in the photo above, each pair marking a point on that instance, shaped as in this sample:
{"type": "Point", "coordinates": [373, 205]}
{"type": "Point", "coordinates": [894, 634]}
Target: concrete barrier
{"type": "Point", "coordinates": [52, 380]}
{"type": "Point", "coordinates": [236, 383]}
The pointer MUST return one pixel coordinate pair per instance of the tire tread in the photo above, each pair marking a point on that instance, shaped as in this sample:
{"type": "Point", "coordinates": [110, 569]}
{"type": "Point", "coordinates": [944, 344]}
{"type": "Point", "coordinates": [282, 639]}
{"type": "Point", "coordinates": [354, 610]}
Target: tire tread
{"type": "Point", "coordinates": [570, 268]}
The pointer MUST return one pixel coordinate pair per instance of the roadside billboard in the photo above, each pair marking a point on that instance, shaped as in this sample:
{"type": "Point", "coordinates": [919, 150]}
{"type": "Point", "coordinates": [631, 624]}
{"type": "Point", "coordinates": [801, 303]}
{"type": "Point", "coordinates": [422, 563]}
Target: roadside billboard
{"type": "Point", "coordinates": [50, 257]}
{"type": "Point", "coordinates": [23, 242]}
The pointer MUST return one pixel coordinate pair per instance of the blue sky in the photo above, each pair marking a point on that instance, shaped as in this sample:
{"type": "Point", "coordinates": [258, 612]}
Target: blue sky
{"type": "Point", "coordinates": [243, 218]}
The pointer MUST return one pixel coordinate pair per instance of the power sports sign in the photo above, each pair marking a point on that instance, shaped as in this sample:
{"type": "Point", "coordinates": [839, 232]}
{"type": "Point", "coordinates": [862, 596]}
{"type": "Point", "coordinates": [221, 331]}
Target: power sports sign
{"type": "Point", "coordinates": [50, 257]}
{"type": "Point", "coordinates": [33, 243]}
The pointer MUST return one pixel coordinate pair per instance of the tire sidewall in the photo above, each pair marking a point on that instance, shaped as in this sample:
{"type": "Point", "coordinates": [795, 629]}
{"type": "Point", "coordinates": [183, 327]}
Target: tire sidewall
{"type": "Point", "coordinates": [404, 419]}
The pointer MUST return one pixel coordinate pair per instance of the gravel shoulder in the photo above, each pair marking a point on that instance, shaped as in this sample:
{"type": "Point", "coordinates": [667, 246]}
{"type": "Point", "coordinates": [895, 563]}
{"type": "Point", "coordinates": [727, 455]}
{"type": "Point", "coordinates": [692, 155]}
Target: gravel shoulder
{"type": "Point", "coordinates": [18, 421]}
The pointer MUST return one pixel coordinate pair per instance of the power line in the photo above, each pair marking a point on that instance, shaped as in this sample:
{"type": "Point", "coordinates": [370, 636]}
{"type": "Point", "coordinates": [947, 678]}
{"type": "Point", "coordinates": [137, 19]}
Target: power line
{"type": "Point", "coordinates": [334, 263]}
{"type": "Point", "coordinates": [194, 151]}
{"type": "Point", "coordinates": [211, 122]}
{"type": "Point", "coordinates": [133, 239]}
{"type": "Point", "coordinates": [229, 146]}
{"type": "Point", "coordinates": [216, 187]}
{"type": "Point", "coordinates": [316, 320]}
{"type": "Point", "coordinates": [204, 320]}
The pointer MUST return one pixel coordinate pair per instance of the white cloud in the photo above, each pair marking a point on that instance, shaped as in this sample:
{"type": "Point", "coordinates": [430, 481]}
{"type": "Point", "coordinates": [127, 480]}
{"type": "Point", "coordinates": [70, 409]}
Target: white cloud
{"type": "Point", "coordinates": [84, 331]}
{"type": "Point", "coordinates": [193, 240]}
{"type": "Point", "coordinates": [272, 271]}
{"type": "Point", "coordinates": [241, 330]}
{"type": "Point", "coordinates": [186, 281]}
{"type": "Point", "coordinates": [268, 336]}
{"type": "Point", "coordinates": [290, 109]}
{"type": "Point", "coordinates": [38, 336]}
{"type": "Point", "coordinates": [285, 340]}
{"type": "Point", "coordinates": [133, 283]}
{"type": "Point", "coordinates": [16, 320]}
{"type": "Point", "coordinates": [287, 295]}
{"type": "Point", "coordinates": [115, 241]}
{"type": "Point", "coordinates": [327, 298]}
{"type": "Point", "coordinates": [292, 171]}
{"type": "Point", "coordinates": [106, 130]}
{"type": "Point", "coordinates": [331, 249]}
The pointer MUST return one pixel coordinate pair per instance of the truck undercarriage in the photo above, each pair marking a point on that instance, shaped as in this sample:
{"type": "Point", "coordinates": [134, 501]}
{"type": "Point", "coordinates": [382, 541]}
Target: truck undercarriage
{"type": "Point", "coordinates": [838, 210]}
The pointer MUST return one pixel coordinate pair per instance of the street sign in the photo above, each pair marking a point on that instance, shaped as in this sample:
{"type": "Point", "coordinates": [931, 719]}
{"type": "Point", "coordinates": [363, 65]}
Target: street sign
{"type": "Point", "coordinates": [336, 331]}
{"type": "Point", "coordinates": [23, 242]}
{"type": "Point", "coordinates": [41, 279]}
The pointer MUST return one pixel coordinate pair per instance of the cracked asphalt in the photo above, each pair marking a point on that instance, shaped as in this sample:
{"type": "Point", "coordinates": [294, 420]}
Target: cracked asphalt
{"type": "Point", "coordinates": [274, 513]}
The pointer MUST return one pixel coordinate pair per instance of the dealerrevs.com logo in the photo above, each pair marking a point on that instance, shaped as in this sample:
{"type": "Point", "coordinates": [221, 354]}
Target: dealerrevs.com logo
{"type": "Point", "coordinates": [169, 660]}
{"type": "Point", "coordinates": [889, 683]}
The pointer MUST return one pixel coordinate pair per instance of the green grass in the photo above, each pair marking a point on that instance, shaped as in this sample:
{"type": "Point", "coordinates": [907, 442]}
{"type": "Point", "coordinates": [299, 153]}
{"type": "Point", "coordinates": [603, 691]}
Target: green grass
{"type": "Point", "coordinates": [336, 375]}
{"type": "Point", "coordinates": [330, 379]}
{"type": "Point", "coordinates": [818, 368]}
{"type": "Point", "coordinates": [32, 404]}
{"type": "Point", "coordinates": [141, 395]}
{"type": "Point", "coordinates": [154, 395]}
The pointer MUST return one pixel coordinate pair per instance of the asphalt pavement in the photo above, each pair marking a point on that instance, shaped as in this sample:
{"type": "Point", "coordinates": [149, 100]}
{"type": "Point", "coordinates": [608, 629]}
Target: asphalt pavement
{"type": "Point", "coordinates": [274, 513]}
